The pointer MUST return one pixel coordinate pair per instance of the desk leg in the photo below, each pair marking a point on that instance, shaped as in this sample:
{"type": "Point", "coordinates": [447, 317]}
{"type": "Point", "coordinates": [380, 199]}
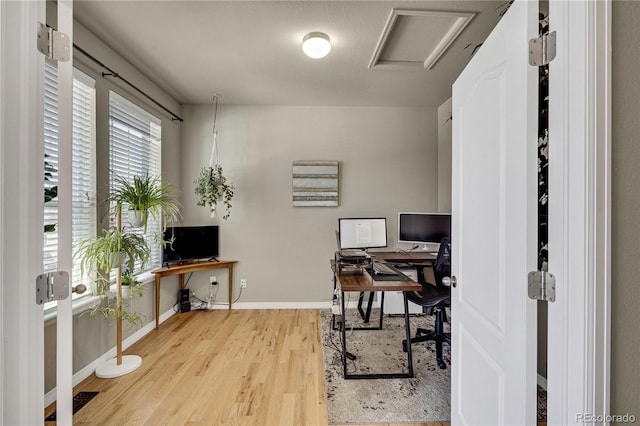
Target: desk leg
{"type": "Point", "coordinates": [181, 281]}
{"type": "Point", "coordinates": [343, 330]}
{"type": "Point", "coordinates": [408, 332]}
{"type": "Point", "coordinates": [157, 300]}
{"type": "Point", "coordinates": [230, 285]}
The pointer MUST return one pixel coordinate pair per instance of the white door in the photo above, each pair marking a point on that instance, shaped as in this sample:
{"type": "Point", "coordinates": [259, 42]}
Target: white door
{"type": "Point", "coordinates": [21, 216]}
{"type": "Point", "coordinates": [21, 213]}
{"type": "Point", "coordinates": [494, 228]}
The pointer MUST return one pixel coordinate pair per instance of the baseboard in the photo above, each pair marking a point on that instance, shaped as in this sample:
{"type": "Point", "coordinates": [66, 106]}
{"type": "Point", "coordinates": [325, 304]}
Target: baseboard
{"type": "Point", "coordinates": [287, 305]}
{"type": "Point", "coordinates": [280, 305]}
{"type": "Point", "coordinates": [542, 382]}
{"type": "Point", "coordinates": [50, 397]}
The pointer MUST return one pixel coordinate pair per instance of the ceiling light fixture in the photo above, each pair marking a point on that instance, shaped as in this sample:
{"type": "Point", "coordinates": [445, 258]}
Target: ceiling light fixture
{"type": "Point", "coordinates": [316, 45]}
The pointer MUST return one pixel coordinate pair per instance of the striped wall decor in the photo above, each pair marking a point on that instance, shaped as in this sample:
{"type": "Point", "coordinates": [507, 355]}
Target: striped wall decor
{"type": "Point", "coordinates": [315, 183]}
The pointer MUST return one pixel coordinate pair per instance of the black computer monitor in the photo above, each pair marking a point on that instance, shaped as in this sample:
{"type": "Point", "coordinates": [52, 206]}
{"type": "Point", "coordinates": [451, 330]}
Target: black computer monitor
{"type": "Point", "coordinates": [423, 228]}
{"type": "Point", "coordinates": [190, 243]}
{"type": "Point", "coordinates": [362, 233]}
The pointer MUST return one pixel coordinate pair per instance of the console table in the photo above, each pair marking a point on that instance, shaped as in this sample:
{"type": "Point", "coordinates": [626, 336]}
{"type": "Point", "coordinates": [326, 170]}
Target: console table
{"type": "Point", "coordinates": [181, 269]}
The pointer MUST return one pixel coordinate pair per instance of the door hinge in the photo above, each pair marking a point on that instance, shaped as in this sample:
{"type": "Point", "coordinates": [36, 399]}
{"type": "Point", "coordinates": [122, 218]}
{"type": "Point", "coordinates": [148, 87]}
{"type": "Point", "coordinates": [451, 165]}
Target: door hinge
{"type": "Point", "coordinates": [542, 50]}
{"type": "Point", "coordinates": [542, 286]}
{"type": "Point", "coordinates": [52, 286]}
{"type": "Point", "coordinates": [53, 44]}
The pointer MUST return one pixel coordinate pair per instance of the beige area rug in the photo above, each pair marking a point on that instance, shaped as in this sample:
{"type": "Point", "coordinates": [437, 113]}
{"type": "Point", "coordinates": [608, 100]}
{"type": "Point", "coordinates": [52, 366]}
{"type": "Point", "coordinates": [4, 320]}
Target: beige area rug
{"type": "Point", "coordinates": [422, 399]}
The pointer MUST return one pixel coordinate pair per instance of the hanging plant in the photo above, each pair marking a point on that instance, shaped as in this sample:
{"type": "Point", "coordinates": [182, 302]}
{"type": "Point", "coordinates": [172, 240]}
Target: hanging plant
{"type": "Point", "coordinates": [212, 187]}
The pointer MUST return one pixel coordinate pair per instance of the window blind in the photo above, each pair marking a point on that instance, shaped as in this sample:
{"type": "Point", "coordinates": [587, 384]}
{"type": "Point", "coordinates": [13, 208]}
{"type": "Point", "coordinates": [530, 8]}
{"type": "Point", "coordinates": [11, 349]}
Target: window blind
{"type": "Point", "coordinates": [135, 150]}
{"type": "Point", "coordinates": [83, 187]}
{"type": "Point", "coordinates": [50, 249]}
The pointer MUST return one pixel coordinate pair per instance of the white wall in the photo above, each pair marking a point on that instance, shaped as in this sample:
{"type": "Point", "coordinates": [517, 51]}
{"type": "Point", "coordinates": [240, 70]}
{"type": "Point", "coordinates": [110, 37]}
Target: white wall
{"type": "Point", "coordinates": [388, 163]}
{"type": "Point", "coordinates": [625, 247]}
{"type": "Point", "coordinates": [445, 140]}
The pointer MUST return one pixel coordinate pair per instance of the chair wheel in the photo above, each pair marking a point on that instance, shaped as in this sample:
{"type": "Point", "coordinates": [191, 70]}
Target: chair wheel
{"type": "Point", "coordinates": [404, 346]}
{"type": "Point", "coordinates": [442, 365]}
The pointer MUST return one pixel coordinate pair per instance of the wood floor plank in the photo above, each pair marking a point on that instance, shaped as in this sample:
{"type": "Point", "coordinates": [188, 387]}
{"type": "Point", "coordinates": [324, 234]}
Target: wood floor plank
{"type": "Point", "coordinates": [240, 367]}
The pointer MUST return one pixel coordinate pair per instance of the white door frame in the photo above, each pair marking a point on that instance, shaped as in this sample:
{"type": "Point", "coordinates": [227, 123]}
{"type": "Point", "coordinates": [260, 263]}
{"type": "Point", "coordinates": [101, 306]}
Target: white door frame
{"type": "Point", "coordinates": [578, 374]}
{"type": "Point", "coordinates": [21, 213]}
{"type": "Point", "coordinates": [64, 321]}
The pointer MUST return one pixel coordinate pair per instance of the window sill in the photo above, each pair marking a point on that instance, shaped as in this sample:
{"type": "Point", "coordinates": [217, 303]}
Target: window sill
{"type": "Point", "coordinates": [84, 303]}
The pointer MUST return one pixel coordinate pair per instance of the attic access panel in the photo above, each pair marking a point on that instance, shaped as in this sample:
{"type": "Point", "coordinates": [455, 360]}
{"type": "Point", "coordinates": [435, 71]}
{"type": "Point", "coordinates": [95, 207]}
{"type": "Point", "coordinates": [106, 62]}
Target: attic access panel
{"type": "Point", "coordinates": [416, 39]}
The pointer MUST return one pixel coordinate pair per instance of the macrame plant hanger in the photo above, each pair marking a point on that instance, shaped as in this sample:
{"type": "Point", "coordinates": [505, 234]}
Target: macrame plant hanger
{"type": "Point", "coordinates": [213, 159]}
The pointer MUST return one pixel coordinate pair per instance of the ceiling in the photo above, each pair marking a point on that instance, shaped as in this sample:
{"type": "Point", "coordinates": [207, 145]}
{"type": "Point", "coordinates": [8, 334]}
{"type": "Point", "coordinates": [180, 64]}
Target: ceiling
{"type": "Point", "coordinates": [249, 52]}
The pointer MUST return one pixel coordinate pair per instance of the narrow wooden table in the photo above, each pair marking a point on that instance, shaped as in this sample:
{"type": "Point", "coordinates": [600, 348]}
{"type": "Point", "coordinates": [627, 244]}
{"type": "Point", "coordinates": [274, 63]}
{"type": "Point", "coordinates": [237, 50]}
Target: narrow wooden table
{"type": "Point", "coordinates": [181, 269]}
{"type": "Point", "coordinates": [362, 283]}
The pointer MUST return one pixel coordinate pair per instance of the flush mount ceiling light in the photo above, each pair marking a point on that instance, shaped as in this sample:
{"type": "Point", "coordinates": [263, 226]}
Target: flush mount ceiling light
{"type": "Point", "coordinates": [316, 45]}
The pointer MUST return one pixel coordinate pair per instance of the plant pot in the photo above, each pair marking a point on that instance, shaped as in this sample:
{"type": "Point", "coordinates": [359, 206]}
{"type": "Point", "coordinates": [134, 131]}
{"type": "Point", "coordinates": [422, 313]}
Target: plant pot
{"type": "Point", "coordinates": [117, 258]}
{"type": "Point", "coordinates": [126, 294]}
{"type": "Point", "coordinates": [137, 218]}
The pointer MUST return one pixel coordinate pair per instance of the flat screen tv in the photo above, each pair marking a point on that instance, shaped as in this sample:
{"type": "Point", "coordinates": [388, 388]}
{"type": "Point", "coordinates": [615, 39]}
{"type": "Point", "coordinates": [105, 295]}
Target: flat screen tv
{"type": "Point", "coordinates": [190, 243]}
{"type": "Point", "coordinates": [362, 233]}
{"type": "Point", "coordinates": [423, 228]}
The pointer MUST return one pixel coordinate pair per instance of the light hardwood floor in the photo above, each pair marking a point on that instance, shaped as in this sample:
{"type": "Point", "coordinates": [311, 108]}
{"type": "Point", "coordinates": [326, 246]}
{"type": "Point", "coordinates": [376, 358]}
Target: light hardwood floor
{"type": "Point", "coordinates": [243, 367]}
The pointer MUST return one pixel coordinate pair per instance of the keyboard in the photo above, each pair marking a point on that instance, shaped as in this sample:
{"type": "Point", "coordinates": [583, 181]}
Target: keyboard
{"type": "Point", "coordinates": [383, 268]}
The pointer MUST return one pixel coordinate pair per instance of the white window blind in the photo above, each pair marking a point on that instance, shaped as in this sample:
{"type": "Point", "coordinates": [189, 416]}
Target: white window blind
{"type": "Point", "coordinates": [135, 150]}
{"type": "Point", "coordinates": [51, 165]}
{"type": "Point", "coordinates": [83, 186]}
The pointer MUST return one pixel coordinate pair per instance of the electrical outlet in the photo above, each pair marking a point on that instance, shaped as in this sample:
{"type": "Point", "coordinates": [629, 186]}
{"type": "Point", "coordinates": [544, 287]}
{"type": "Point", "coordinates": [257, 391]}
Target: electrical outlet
{"type": "Point", "coordinates": [243, 283]}
{"type": "Point", "coordinates": [213, 280]}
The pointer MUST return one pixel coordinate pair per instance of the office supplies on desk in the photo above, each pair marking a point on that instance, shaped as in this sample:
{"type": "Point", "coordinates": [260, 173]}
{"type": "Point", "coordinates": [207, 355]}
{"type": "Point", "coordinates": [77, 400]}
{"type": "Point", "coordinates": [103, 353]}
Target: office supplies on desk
{"type": "Point", "coordinates": [383, 268]}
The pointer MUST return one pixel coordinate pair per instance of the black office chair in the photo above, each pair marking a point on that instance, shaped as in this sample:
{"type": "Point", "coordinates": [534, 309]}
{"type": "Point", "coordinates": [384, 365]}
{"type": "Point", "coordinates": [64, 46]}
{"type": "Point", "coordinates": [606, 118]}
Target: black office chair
{"type": "Point", "coordinates": [435, 298]}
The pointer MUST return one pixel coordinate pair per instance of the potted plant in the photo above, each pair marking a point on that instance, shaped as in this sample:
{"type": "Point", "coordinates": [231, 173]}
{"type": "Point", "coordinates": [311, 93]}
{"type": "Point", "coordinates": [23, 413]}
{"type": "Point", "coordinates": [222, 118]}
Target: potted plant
{"type": "Point", "coordinates": [146, 195]}
{"type": "Point", "coordinates": [212, 187]}
{"type": "Point", "coordinates": [101, 254]}
{"type": "Point", "coordinates": [130, 285]}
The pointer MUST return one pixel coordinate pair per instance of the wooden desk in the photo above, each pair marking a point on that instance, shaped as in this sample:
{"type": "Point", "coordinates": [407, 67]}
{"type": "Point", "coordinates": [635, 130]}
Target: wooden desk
{"type": "Point", "coordinates": [417, 259]}
{"type": "Point", "coordinates": [404, 257]}
{"type": "Point", "coordinates": [191, 267]}
{"type": "Point", "coordinates": [362, 283]}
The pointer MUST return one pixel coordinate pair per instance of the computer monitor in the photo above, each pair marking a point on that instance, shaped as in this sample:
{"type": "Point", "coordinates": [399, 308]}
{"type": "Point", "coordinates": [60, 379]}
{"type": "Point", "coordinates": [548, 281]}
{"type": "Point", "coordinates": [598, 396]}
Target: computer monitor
{"type": "Point", "coordinates": [423, 228]}
{"type": "Point", "coordinates": [362, 233]}
{"type": "Point", "coordinates": [190, 242]}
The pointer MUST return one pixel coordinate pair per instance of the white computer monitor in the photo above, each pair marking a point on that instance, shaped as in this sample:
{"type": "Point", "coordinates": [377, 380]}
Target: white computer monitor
{"type": "Point", "coordinates": [362, 233]}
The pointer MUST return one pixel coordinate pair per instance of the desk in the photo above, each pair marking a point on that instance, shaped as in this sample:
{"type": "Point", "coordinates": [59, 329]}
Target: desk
{"type": "Point", "coordinates": [364, 282]}
{"type": "Point", "coordinates": [182, 269]}
{"type": "Point", "coordinates": [404, 257]}
{"type": "Point", "coordinates": [417, 259]}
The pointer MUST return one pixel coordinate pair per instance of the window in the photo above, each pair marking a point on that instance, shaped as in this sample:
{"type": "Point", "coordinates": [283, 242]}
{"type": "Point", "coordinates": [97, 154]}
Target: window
{"type": "Point", "coordinates": [83, 199]}
{"type": "Point", "coordinates": [134, 150]}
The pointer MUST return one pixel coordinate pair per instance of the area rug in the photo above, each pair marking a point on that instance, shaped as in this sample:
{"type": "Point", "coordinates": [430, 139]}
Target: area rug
{"type": "Point", "coordinates": [422, 399]}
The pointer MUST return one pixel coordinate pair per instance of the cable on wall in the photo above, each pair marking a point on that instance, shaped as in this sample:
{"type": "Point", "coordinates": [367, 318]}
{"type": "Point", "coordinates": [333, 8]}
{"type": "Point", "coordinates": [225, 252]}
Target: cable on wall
{"type": "Point", "coordinates": [112, 73]}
